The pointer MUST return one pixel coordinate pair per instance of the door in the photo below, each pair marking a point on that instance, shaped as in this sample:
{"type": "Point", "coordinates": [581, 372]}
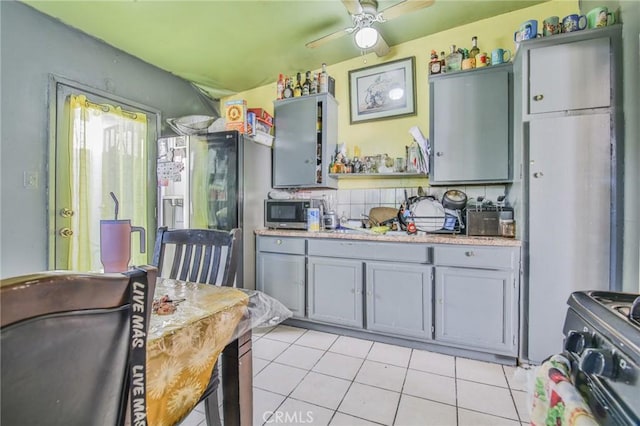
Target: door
{"type": "Point", "coordinates": [335, 291]}
{"type": "Point", "coordinates": [570, 76]}
{"type": "Point", "coordinates": [399, 299]}
{"type": "Point", "coordinates": [569, 220]}
{"type": "Point", "coordinates": [214, 181]}
{"type": "Point", "coordinates": [294, 152]}
{"type": "Point", "coordinates": [101, 147]}
{"type": "Point", "coordinates": [281, 276]}
{"type": "Point", "coordinates": [476, 308]}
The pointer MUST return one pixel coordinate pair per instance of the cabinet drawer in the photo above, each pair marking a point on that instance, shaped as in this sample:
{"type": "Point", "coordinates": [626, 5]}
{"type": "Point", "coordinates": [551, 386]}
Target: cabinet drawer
{"type": "Point", "coordinates": [414, 253]}
{"type": "Point", "coordinates": [281, 245]}
{"type": "Point", "coordinates": [477, 257]}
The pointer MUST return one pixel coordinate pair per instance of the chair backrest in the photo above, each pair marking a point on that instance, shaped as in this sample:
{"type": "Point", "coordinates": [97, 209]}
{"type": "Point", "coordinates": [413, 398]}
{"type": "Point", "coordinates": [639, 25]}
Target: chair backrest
{"type": "Point", "coordinates": [65, 346]}
{"type": "Point", "coordinates": [199, 255]}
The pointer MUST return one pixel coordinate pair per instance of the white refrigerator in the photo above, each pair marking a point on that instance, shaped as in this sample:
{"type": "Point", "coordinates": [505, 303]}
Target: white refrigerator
{"type": "Point", "coordinates": [215, 181]}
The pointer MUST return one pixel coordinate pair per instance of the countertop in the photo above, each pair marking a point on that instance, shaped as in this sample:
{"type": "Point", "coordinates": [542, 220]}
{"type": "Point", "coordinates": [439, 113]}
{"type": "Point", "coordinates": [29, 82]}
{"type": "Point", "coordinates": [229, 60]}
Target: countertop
{"type": "Point", "coordinates": [395, 237]}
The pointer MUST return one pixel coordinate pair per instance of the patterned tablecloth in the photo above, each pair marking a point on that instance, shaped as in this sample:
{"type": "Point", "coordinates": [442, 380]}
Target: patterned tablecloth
{"type": "Point", "coordinates": [183, 347]}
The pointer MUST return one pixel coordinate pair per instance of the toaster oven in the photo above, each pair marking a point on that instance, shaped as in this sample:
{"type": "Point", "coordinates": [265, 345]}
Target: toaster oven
{"type": "Point", "coordinates": [485, 222]}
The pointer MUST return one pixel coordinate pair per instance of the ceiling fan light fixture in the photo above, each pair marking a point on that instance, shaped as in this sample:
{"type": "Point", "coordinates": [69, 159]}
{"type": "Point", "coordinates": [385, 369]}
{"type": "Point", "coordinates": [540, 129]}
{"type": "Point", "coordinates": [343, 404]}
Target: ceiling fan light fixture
{"type": "Point", "coordinates": [366, 37]}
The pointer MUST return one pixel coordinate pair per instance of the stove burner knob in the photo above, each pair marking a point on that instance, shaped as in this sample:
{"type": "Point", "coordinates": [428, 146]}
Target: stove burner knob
{"type": "Point", "coordinates": [598, 362]}
{"type": "Point", "coordinates": [578, 341]}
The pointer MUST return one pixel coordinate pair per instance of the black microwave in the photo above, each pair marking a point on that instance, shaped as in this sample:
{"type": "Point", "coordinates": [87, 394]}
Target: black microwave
{"type": "Point", "coordinates": [289, 214]}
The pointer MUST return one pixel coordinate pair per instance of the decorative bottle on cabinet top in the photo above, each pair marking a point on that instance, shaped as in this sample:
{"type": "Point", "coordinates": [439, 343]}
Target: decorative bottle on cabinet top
{"type": "Point", "coordinates": [453, 60]}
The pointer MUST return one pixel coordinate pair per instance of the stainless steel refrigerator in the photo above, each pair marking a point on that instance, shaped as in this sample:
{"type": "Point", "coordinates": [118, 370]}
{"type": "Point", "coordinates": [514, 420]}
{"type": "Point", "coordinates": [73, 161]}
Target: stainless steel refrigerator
{"type": "Point", "coordinates": [215, 181]}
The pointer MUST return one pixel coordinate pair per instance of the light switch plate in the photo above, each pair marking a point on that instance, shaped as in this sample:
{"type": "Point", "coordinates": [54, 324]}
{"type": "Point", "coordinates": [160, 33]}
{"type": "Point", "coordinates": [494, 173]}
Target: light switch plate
{"type": "Point", "coordinates": [30, 179]}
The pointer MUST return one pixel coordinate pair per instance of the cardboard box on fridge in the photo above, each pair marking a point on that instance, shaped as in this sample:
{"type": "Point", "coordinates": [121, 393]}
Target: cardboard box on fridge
{"type": "Point", "coordinates": [255, 124]}
{"type": "Point", "coordinates": [236, 115]}
{"type": "Point", "coordinates": [263, 115]}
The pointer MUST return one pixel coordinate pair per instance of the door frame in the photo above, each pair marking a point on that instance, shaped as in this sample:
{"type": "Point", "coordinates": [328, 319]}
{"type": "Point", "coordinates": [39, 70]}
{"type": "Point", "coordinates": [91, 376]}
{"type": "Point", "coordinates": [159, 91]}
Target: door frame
{"type": "Point", "coordinates": [55, 81]}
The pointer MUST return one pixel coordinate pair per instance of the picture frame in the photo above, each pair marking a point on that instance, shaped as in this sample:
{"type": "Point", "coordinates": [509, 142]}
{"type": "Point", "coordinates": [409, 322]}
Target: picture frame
{"type": "Point", "coordinates": [383, 91]}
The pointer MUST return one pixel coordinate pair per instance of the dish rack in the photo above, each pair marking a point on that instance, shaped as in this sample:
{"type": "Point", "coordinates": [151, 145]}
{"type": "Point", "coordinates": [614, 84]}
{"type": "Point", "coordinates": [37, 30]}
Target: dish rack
{"type": "Point", "coordinates": [451, 223]}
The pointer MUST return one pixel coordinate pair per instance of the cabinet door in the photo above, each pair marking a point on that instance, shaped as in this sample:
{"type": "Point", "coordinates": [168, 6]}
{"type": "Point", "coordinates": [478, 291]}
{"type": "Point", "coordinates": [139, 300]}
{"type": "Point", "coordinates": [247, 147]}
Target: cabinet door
{"type": "Point", "coordinates": [294, 151]}
{"type": "Point", "coordinates": [476, 308]}
{"type": "Point", "coordinates": [399, 299]}
{"type": "Point", "coordinates": [335, 291]}
{"type": "Point", "coordinates": [470, 129]}
{"type": "Point", "coordinates": [569, 220]}
{"type": "Point", "coordinates": [570, 76]}
{"type": "Point", "coordinates": [282, 277]}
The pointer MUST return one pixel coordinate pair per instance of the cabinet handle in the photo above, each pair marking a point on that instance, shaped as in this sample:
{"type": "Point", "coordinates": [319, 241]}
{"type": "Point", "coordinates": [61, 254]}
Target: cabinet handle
{"type": "Point", "coordinates": [538, 97]}
{"type": "Point", "coordinates": [439, 154]}
{"type": "Point", "coordinates": [537, 175]}
{"type": "Point", "coordinates": [278, 242]}
{"type": "Point", "coordinates": [469, 253]}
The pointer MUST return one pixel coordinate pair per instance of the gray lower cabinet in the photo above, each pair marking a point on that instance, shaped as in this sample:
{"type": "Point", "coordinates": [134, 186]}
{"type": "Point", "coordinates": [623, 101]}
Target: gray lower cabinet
{"type": "Point", "coordinates": [335, 291]}
{"type": "Point", "coordinates": [475, 308]}
{"type": "Point", "coordinates": [477, 297]}
{"type": "Point", "coordinates": [280, 271]}
{"type": "Point", "coordinates": [461, 296]}
{"type": "Point", "coordinates": [398, 299]}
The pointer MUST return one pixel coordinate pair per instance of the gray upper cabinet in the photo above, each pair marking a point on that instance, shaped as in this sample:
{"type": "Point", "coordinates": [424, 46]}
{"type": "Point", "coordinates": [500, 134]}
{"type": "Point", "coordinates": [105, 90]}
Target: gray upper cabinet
{"type": "Point", "coordinates": [335, 291]}
{"type": "Point", "coordinates": [306, 133]}
{"type": "Point", "coordinates": [470, 126]}
{"type": "Point", "coordinates": [398, 299]}
{"type": "Point", "coordinates": [569, 76]}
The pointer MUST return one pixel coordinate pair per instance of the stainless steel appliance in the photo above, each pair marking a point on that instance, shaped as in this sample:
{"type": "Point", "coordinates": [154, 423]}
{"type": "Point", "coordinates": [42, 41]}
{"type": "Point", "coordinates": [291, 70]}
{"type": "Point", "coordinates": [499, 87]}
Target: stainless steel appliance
{"type": "Point", "coordinates": [602, 341]}
{"type": "Point", "coordinates": [330, 220]}
{"type": "Point", "coordinates": [486, 220]}
{"type": "Point", "coordinates": [215, 181]}
{"type": "Point", "coordinates": [289, 214]}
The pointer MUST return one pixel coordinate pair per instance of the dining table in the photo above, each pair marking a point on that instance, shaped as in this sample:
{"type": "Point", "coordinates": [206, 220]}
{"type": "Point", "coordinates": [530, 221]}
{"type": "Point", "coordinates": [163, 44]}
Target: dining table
{"type": "Point", "coordinates": [191, 326]}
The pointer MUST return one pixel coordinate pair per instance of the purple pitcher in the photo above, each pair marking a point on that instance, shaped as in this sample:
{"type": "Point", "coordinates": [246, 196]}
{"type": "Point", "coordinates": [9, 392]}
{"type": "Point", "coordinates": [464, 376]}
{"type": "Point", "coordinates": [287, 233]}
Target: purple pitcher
{"type": "Point", "coordinates": [115, 244]}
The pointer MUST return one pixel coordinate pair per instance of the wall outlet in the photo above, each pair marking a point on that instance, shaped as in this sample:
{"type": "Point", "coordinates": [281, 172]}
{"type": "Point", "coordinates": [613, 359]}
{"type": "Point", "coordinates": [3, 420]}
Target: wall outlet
{"type": "Point", "coordinates": [30, 179]}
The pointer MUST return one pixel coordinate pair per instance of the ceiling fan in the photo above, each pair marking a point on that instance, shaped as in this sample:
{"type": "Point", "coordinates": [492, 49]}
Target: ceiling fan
{"type": "Point", "coordinates": [364, 14]}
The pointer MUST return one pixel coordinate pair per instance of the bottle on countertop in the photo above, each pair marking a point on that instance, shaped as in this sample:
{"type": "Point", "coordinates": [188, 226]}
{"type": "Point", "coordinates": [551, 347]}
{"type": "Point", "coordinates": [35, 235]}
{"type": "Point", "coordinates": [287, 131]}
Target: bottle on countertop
{"type": "Point", "coordinates": [306, 85]}
{"type": "Point", "coordinates": [453, 60]}
{"type": "Point", "coordinates": [323, 79]}
{"type": "Point", "coordinates": [474, 47]}
{"type": "Point", "coordinates": [297, 89]}
{"type": "Point", "coordinates": [314, 85]}
{"type": "Point", "coordinates": [280, 87]}
{"type": "Point", "coordinates": [443, 67]}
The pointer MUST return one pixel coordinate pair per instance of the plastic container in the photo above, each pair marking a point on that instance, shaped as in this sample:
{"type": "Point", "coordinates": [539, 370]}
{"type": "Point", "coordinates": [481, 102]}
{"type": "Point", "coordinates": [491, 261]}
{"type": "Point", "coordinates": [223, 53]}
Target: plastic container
{"type": "Point", "coordinates": [507, 228]}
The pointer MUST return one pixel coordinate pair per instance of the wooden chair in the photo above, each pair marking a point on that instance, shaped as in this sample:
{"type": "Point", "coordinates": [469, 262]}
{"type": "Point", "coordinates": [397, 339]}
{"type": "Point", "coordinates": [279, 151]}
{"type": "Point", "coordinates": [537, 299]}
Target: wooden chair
{"type": "Point", "coordinates": [65, 347]}
{"type": "Point", "coordinates": [203, 256]}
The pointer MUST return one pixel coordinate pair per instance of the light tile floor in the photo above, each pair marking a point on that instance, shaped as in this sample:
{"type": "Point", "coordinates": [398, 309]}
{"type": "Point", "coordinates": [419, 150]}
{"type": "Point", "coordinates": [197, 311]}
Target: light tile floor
{"type": "Point", "coordinates": [306, 377]}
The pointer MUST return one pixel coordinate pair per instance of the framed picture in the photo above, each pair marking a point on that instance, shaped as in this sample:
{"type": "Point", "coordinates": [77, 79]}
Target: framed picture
{"type": "Point", "coordinates": [383, 91]}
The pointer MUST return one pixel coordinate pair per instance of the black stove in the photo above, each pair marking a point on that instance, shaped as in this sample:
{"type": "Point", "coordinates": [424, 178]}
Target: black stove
{"type": "Point", "coordinates": [602, 340]}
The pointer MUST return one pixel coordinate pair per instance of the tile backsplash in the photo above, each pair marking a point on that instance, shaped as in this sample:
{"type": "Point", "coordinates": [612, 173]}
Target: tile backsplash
{"type": "Point", "coordinates": [353, 203]}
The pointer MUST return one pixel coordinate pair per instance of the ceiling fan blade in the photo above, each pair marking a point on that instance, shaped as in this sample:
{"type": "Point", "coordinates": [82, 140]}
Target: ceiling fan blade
{"type": "Point", "coordinates": [328, 38]}
{"type": "Point", "coordinates": [353, 6]}
{"type": "Point", "coordinates": [381, 47]}
{"type": "Point", "coordinates": [407, 6]}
